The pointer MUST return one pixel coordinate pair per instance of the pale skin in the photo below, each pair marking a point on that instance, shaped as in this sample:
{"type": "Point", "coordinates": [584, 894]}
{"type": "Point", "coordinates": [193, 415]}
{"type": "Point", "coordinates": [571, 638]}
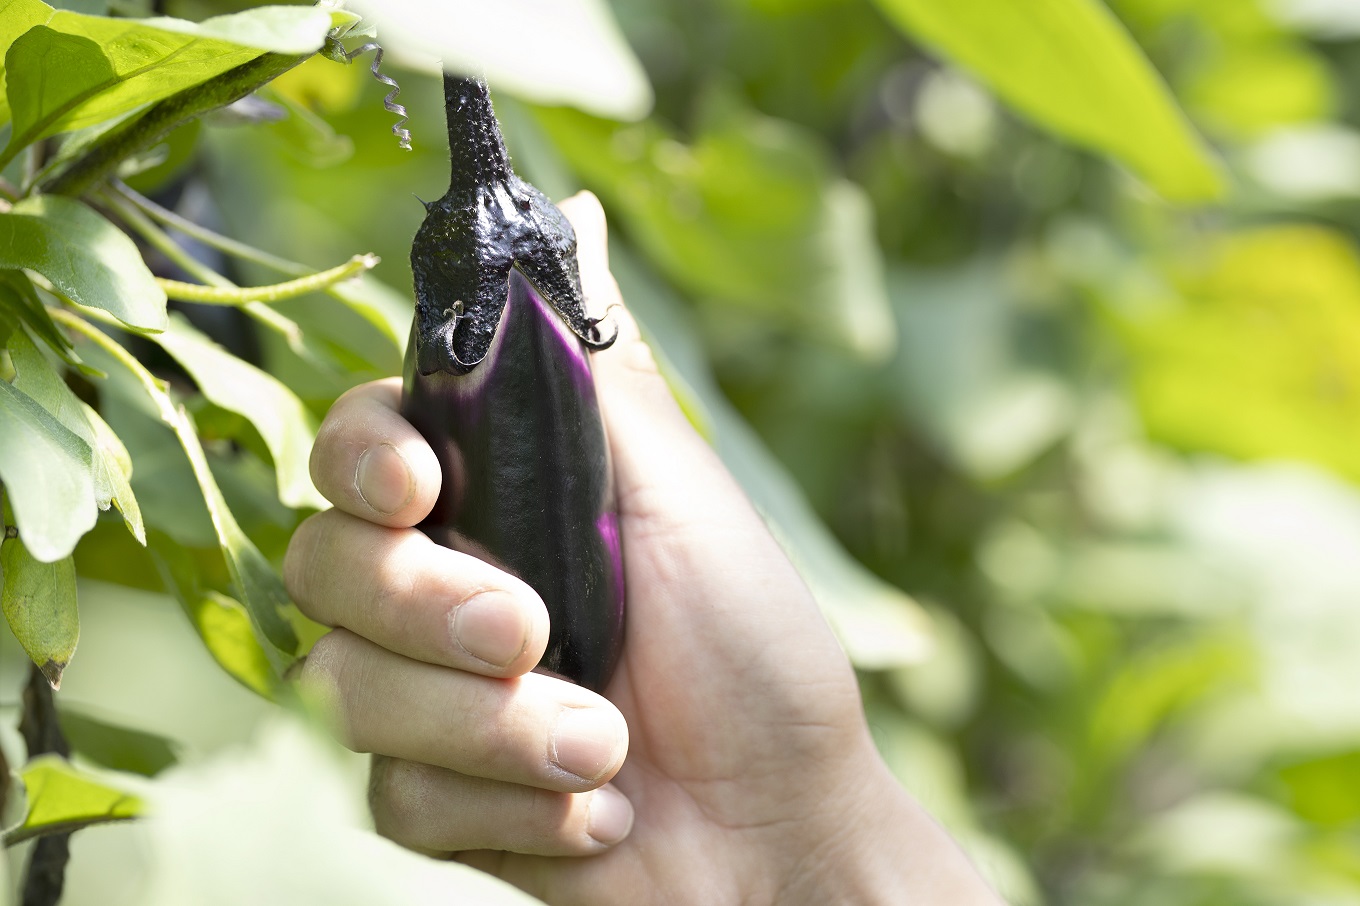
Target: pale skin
{"type": "Point", "coordinates": [728, 760]}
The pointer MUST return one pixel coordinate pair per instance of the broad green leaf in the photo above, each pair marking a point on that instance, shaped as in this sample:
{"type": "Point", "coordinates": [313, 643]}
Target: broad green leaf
{"type": "Point", "coordinates": [283, 421]}
{"type": "Point", "coordinates": [565, 52]}
{"type": "Point", "coordinates": [111, 466]}
{"type": "Point", "coordinates": [880, 626]}
{"type": "Point", "coordinates": [380, 305]}
{"type": "Point", "coordinates": [46, 470]}
{"type": "Point", "coordinates": [747, 219]}
{"type": "Point", "coordinates": [79, 70]}
{"type": "Point", "coordinates": [1071, 67]}
{"type": "Point", "coordinates": [39, 602]}
{"type": "Point", "coordinates": [17, 17]}
{"type": "Point", "coordinates": [221, 622]}
{"type": "Point", "coordinates": [116, 747]}
{"type": "Point", "coordinates": [84, 256]}
{"type": "Point", "coordinates": [63, 798]}
{"type": "Point", "coordinates": [1253, 353]}
{"type": "Point", "coordinates": [260, 587]}
{"type": "Point", "coordinates": [18, 295]}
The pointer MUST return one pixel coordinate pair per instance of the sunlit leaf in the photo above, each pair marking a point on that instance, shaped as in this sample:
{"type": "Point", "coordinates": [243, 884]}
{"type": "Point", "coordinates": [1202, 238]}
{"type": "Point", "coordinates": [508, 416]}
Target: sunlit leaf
{"type": "Point", "coordinates": [80, 70]}
{"type": "Point", "coordinates": [283, 421]}
{"type": "Point", "coordinates": [1258, 86]}
{"type": "Point", "coordinates": [46, 472]}
{"type": "Point", "coordinates": [39, 602]}
{"type": "Point", "coordinates": [115, 465]}
{"type": "Point", "coordinates": [62, 798]}
{"type": "Point", "coordinates": [1071, 67]}
{"type": "Point", "coordinates": [116, 747]}
{"type": "Point", "coordinates": [84, 256]}
{"type": "Point", "coordinates": [565, 52]}
{"type": "Point", "coordinates": [17, 17]}
{"type": "Point", "coordinates": [1253, 353]}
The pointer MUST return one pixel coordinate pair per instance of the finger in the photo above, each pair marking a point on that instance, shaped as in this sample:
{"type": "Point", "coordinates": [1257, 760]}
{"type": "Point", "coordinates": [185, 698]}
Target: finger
{"type": "Point", "coordinates": [370, 462]}
{"type": "Point", "coordinates": [437, 810]}
{"type": "Point", "coordinates": [534, 730]}
{"type": "Point", "coordinates": [399, 589]}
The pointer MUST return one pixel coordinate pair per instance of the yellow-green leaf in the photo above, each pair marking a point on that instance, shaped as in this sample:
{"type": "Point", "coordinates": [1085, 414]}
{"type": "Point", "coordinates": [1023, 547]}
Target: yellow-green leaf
{"type": "Point", "coordinates": [1255, 355]}
{"type": "Point", "coordinates": [1070, 66]}
{"type": "Point", "coordinates": [78, 70]}
{"type": "Point", "coordinates": [62, 798]}
{"type": "Point", "coordinates": [39, 602]}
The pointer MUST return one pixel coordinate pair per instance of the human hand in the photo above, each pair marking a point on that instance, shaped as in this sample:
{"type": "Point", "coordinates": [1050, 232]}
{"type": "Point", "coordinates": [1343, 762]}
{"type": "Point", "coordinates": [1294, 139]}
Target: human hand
{"type": "Point", "coordinates": [750, 774]}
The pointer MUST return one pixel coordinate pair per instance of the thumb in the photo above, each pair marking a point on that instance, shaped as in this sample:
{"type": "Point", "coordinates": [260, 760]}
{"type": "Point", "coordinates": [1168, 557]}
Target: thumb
{"type": "Point", "coordinates": [660, 462]}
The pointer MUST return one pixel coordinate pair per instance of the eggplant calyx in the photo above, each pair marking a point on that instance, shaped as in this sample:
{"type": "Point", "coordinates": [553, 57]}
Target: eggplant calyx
{"type": "Point", "coordinates": [489, 221]}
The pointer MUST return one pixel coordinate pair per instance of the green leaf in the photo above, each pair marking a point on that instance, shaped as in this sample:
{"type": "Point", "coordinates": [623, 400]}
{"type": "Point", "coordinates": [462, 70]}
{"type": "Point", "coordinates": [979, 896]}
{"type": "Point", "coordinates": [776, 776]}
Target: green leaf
{"type": "Point", "coordinates": [18, 295]}
{"type": "Point", "coordinates": [39, 602]}
{"type": "Point", "coordinates": [111, 466]}
{"type": "Point", "coordinates": [116, 747]}
{"type": "Point", "coordinates": [47, 476]}
{"type": "Point", "coordinates": [62, 798]}
{"type": "Point", "coordinates": [78, 70]}
{"type": "Point", "coordinates": [221, 622]}
{"type": "Point", "coordinates": [17, 17]}
{"type": "Point", "coordinates": [283, 421]}
{"type": "Point", "coordinates": [1250, 352]}
{"type": "Point", "coordinates": [879, 625]}
{"type": "Point", "coordinates": [1071, 67]}
{"type": "Point", "coordinates": [260, 587]}
{"type": "Point", "coordinates": [746, 219]}
{"type": "Point", "coordinates": [85, 257]}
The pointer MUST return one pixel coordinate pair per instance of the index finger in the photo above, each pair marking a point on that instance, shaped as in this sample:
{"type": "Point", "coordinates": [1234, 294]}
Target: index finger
{"type": "Point", "coordinates": [370, 462]}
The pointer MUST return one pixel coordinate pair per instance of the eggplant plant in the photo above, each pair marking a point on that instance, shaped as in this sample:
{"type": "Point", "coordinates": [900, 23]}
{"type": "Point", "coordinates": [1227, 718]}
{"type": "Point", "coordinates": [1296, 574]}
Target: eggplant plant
{"type": "Point", "coordinates": [498, 380]}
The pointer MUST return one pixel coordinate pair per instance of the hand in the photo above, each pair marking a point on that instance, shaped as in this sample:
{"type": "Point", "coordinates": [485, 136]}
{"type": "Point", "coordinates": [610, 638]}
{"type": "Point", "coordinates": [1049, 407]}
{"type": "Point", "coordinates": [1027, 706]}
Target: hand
{"type": "Point", "coordinates": [750, 774]}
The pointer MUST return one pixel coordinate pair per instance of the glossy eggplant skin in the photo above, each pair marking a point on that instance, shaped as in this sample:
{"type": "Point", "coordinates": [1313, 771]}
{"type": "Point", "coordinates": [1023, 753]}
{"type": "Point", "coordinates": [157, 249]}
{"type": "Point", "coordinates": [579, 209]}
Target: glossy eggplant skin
{"type": "Point", "coordinates": [498, 380]}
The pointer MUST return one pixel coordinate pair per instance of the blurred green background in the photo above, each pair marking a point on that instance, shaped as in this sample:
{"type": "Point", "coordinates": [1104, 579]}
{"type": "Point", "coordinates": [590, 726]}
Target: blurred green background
{"type": "Point", "coordinates": [1106, 442]}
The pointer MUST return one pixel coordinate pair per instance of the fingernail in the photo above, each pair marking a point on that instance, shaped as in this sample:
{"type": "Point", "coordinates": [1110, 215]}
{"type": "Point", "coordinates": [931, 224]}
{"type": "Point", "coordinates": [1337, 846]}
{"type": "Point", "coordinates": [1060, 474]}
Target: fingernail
{"type": "Point", "coordinates": [610, 817]}
{"type": "Point", "coordinates": [489, 628]}
{"type": "Point", "coordinates": [383, 479]}
{"type": "Point", "coordinates": [585, 742]}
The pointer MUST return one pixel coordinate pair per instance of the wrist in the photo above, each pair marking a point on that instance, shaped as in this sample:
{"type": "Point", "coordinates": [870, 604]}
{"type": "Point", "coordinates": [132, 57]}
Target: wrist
{"type": "Point", "coordinates": [881, 847]}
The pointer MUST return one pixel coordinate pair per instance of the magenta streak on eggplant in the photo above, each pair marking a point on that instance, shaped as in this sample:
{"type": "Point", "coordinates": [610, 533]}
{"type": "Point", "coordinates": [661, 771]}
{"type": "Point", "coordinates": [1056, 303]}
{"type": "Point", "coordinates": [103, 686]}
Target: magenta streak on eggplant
{"type": "Point", "coordinates": [608, 528]}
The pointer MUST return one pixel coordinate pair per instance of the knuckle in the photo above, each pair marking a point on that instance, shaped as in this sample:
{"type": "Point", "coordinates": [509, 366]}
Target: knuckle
{"type": "Point", "coordinates": [326, 672]}
{"type": "Point", "coordinates": [399, 798]}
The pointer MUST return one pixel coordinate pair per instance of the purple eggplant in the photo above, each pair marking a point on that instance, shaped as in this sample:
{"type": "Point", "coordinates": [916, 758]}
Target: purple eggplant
{"type": "Point", "coordinates": [498, 380]}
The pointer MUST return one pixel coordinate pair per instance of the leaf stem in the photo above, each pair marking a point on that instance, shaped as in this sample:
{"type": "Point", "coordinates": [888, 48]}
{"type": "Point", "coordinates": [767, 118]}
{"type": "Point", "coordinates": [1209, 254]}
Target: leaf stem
{"type": "Point", "coordinates": [285, 327]}
{"type": "Point", "coordinates": [208, 237]}
{"type": "Point", "coordinates": [277, 292]}
{"type": "Point", "coordinates": [144, 131]}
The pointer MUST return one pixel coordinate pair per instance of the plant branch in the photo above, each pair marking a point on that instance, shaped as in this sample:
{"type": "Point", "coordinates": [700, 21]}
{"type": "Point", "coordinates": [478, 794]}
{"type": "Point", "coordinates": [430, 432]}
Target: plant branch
{"type": "Point", "coordinates": [218, 295]}
{"type": "Point", "coordinates": [208, 237]}
{"type": "Point", "coordinates": [42, 735]}
{"type": "Point", "coordinates": [144, 131]}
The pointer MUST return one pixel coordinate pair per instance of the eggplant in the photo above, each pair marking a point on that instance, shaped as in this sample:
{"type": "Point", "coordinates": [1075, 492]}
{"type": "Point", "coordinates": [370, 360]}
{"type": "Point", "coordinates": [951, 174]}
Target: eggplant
{"type": "Point", "coordinates": [497, 378]}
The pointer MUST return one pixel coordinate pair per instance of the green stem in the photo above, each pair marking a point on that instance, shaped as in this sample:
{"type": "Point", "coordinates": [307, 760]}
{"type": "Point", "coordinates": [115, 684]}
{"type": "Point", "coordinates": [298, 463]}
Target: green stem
{"type": "Point", "coordinates": [216, 295]}
{"type": "Point", "coordinates": [210, 238]}
{"type": "Point", "coordinates": [154, 386]}
{"type": "Point", "coordinates": [285, 327]}
{"type": "Point", "coordinates": [144, 131]}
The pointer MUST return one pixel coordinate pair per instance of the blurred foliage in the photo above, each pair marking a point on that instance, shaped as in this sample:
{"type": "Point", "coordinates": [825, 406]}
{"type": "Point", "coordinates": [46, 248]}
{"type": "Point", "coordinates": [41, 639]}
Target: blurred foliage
{"type": "Point", "coordinates": [1107, 444]}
